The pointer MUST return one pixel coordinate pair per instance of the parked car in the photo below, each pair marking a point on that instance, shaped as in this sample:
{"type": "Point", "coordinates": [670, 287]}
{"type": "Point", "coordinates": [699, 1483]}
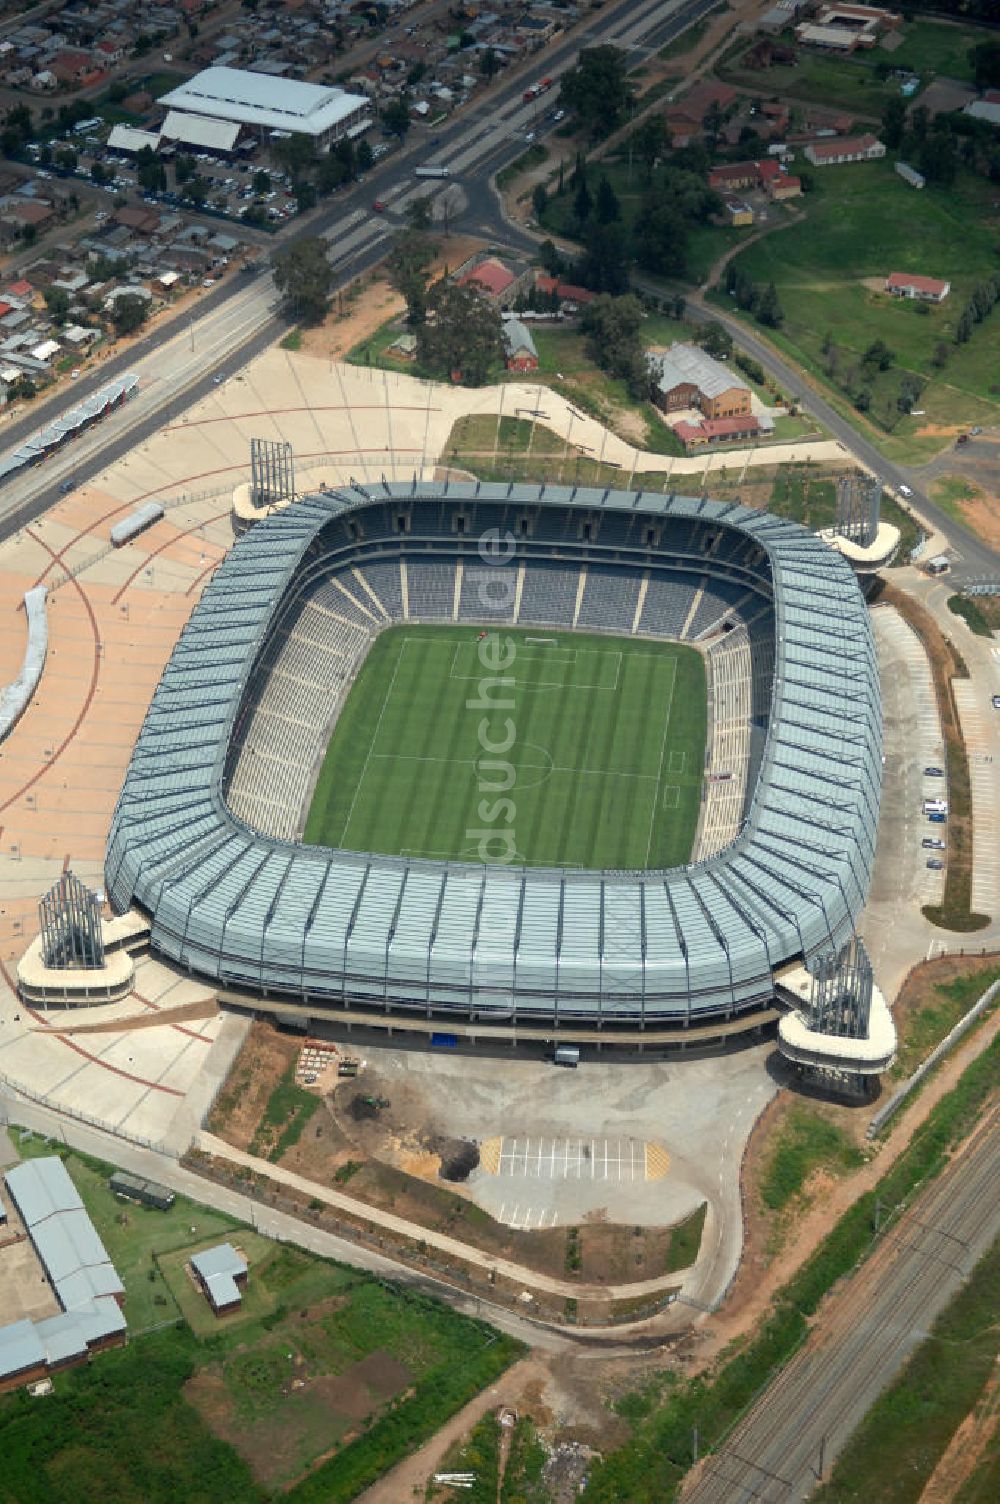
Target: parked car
{"type": "Point", "coordinates": [932, 843]}
{"type": "Point", "coordinates": [905, 491]}
{"type": "Point", "coordinates": [973, 432]}
{"type": "Point", "coordinates": [996, 702]}
{"type": "Point", "coordinates": [937, 819]}
{"type": "Point", "coordinates": [935, 863]}
{"type": "Point", "coordinates": [934, 772]}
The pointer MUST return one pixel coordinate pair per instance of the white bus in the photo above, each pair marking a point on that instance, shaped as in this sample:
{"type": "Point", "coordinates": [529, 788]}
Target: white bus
{"type": "Point", "coordinates": [432, 172]}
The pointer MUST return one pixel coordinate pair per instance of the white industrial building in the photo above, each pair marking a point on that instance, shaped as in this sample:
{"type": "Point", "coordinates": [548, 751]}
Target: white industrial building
{"type": "Point", "coordinates": [220, 102]}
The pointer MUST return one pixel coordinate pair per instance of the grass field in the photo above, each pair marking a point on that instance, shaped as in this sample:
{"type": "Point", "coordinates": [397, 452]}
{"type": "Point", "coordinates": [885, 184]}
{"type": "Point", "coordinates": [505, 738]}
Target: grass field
{"type": "Point", "coordinates": [860, 223]}
{"type": "Point", "coordinates": [604, 738]}
{"type": "Point", "coordinates": [321, 1381]}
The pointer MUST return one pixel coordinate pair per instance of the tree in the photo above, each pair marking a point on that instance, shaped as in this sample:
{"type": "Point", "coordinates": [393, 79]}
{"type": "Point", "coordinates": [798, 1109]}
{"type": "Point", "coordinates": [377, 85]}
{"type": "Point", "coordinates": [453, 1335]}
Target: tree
{"type": "Point", "coordinates": [408, 267]}
{"type": "Point", "coordinates": [304, 194]}
{"type": "Point", "coordinates": [612, 326]}
{"type": "Point", "coordinates": [461, 337]}
{"type": "Point", "coordinates": [195, 190]}
{"type": "Point", "coordinates": [940, 356]}
{"type": "Point", "coordinates": [603, 267]}
{"type": "Point", "coordinates": [716, 340]}
{"type": "Point", "coordinates": [878, 354]}
{"type": "Point", "coordinates": [985, 61]}
{"type": "Point", "coordinates": [57, 302]}
{"type": "Point", "coordinates": [769, 310]}
{"type": "Point", "coordinates": [295, 154]}
{"type": "Point", "coordinates": [150, 171]}
{"type": "Point", "coordinates": [418, 212]}
{"type": "Point", "coordinates": [396, 115]}
{"type": "Point", "coordinates": [597, 90]}
{"type": "Point", "coordinates": [539, 200]}
{"type": "Point", "coordinates": [608, 207]}
{"type": "Point", "coordinates": [650, 142]}
{"type": "Point", "coordinates": [489, 63]}
{"type": "Point", "coordinates": [660, 236]}
{"type": "Point", "coordinates": [363, 157]}
{"type": "Point", "coordinates": [937, 158]}
{"type": "Point", "coordinates": [261, 183]}
{"type": "Point", "coordinates": [97, 173]}
{"type": "Point", "coordinates": [894, 122]}
{"type": "Point", "coordinates": [582, 203]}
{"type": "Point", "coordinates": [67, 159]}
{"type": "Point", "coordinates": [303, 276]}
{"type": "Point", "coordinates": [184, 169]}
{"type": "Point", "coordinates": [129, 312]}
{"type": "Point", "coordinates": [909, 391]}
{"type": "Point", "coordinates": [331, 174]}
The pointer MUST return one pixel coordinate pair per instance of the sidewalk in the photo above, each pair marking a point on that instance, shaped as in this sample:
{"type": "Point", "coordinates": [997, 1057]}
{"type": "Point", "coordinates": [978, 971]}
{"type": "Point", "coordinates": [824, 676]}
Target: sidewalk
{"type": "Point", "coordinates": [452, 1247]}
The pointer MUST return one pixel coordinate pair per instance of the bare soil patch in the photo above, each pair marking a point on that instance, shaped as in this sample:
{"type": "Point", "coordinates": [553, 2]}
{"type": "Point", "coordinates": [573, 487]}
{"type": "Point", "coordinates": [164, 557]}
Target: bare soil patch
{"type": "Point", "coordinates": [967, 1447]}
{"type": "Point", "coordinates": [370, 302]}
{"type": "Point", "coordinates": [263, 1059]}
{"type": "Point", "coordinates": [386, 1141]}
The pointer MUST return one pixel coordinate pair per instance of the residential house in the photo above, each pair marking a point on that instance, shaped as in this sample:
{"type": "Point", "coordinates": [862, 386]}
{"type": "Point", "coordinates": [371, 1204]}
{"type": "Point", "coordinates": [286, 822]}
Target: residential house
{"type": "Point", "coordinates": [865, 148]}
{"type": "Point", "coordinates": [519, 348]}
{"type": "Point", "coordinates": [221, 1272]}
{"type": "Point", "coordinates": [566, 292]}
{"type": "Point", "coordinates": [909, 285]}
{"type": "Point", "coordinates": [717, 431]}
{"type": "Point", "coordinates": [686, 377]}
{"type": "Point", "coordinates": [738, 212]}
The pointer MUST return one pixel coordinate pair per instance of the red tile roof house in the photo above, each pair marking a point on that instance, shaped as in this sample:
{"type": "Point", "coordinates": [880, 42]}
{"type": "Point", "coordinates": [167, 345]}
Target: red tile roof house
{"type": "Point", "coordinates": [716, 431]}
{"type": "Point", "coordinates": [567, 292]}
{"type": "Point", "coordinates": [908, 285]}
{"type": "Point", "coordinates": [495, 279]}
{"type": "Point", "coordinates": [846, 149]}
{"type": "Point", "coordinates": [767, 174]}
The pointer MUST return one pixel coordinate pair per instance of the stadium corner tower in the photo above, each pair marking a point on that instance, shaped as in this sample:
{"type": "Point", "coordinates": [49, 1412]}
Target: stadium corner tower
{"type": "Point", "coordinates": [206, 835]}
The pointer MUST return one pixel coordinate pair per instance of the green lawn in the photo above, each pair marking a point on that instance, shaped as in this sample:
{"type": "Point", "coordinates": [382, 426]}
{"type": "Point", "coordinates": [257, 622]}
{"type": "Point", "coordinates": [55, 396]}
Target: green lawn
{"type": "Point", "coordinates": [861, 223]}
{"type": "Point", "coordinates": [935, 48]}
{"type": "Point", "coordinates": [605, 770]}
{"type": "Point", "coordinates": [930, 48]}
{"type": "Point", "coordinates": [322, 1365]}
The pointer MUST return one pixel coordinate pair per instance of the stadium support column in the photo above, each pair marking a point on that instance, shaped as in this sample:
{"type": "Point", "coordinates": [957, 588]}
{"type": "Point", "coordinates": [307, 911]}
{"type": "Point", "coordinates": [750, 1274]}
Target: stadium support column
{"type": "Point", "coordinates": [272, 472]}
{"type": "Point", "coordinates": [859, 498]}
{"type": "Point", "coordinates": [69, 917]}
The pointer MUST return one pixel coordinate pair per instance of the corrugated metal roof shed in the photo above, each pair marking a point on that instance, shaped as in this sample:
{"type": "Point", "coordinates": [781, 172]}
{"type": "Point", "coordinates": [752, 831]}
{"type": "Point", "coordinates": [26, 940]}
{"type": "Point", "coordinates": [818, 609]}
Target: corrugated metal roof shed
{"type": "Point", "coordinates": [270, 103]}
{"type": "Point", "coordinates": [20, 1349]}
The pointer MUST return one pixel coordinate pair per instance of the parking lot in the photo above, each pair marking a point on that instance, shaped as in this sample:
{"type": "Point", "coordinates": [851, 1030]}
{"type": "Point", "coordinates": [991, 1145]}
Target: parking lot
{"type": "Point", "coordinates": [615, 1159]}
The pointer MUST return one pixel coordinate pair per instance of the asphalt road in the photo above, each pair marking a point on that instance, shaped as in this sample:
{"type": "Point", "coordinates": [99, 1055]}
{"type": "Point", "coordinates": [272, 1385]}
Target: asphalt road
{"type": "Point", "coordinates": [789, 1439]}
{"type": "Point", "coordinates": [475, 145]}
{"type": "Point", "coordinates": [486, 136]}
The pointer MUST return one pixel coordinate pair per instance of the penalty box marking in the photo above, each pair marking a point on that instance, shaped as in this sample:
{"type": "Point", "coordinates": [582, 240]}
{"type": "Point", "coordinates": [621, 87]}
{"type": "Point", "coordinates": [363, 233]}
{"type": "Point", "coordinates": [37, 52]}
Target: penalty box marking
{"type": "Point", "coordinates": [569, 660]}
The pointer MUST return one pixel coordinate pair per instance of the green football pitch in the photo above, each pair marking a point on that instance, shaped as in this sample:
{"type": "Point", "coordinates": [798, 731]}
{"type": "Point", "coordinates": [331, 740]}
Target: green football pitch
{"type": "Point", "coordinates": [551, 749]}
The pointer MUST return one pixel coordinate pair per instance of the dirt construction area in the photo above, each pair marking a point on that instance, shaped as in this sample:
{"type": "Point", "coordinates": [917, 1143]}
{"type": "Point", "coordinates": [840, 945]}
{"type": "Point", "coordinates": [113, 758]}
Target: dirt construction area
{"type": "Point", "coordinates": [570, 1172]}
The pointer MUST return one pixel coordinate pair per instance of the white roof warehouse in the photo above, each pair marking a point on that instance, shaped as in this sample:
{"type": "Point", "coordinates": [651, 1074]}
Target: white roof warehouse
{"type": "Point", "coordinates": [266, 104]}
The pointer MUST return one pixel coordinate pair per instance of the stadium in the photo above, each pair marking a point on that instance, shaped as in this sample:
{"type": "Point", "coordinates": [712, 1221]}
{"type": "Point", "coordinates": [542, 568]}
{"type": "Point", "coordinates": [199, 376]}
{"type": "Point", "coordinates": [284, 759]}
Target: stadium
{"type": "Point", "coordinates": [674, 794]}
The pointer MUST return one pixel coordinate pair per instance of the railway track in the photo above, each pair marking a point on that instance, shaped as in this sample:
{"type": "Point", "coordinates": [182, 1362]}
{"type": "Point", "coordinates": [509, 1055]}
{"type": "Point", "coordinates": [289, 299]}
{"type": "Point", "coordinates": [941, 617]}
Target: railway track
{"type": "Point", "coordinates": [786, 1442]}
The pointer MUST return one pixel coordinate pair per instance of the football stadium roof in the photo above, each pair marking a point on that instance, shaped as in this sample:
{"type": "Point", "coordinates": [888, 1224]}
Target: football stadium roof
{"type": "Point", "coordinates": [565, 947]}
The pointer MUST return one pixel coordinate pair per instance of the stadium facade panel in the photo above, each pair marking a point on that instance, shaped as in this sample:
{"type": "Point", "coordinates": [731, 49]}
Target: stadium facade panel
{"type": "Point", "coordinates": [658, 951]}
